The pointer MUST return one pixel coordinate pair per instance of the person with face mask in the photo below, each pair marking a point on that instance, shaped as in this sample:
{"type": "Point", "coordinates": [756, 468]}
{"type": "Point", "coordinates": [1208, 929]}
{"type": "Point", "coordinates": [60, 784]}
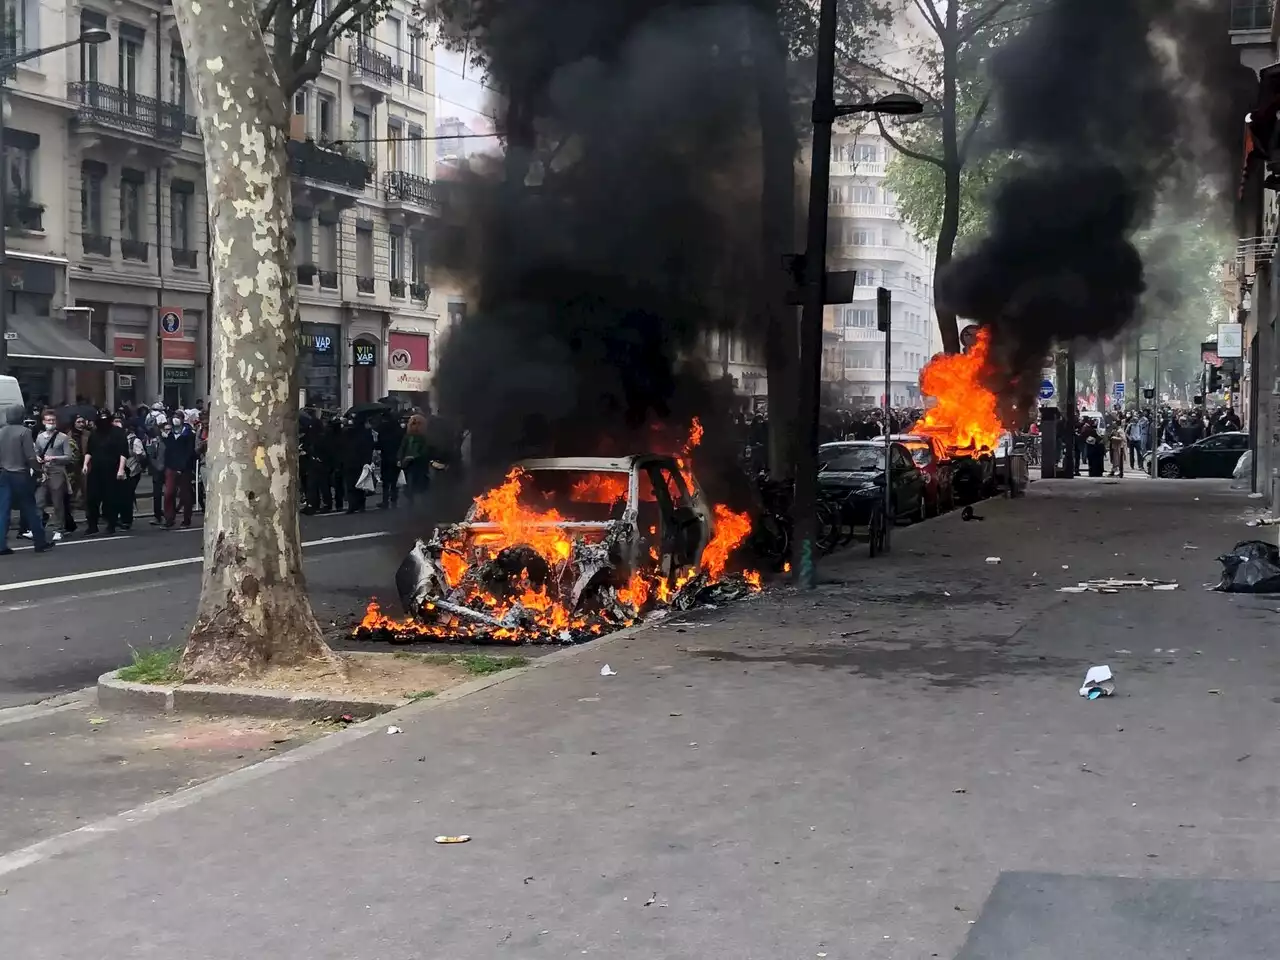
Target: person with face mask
{"type": "Point", "coordinates": [17, 486]}
{"type": "Point", "coordinates": [53, 450]}
{"type": "Point", "coordinates": [155, 461]}
{"type": "Point", "coordinates": [104, 473]}
{"type": "Point", "coordinates": [134, 464]}
{"type": "Point", "coordinates": [179, 472]}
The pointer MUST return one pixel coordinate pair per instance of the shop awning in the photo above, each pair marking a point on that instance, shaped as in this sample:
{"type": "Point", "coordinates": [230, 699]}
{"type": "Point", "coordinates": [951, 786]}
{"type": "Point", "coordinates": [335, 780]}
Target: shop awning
{"type": "Point", "coordinates": [43, 338]}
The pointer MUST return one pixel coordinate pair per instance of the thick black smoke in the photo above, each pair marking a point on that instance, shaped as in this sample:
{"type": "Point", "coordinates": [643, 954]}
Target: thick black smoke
{"type": "Point", "coordinates": [1113, 108]}
{"type": "Point", "coordinates": [620, 226]}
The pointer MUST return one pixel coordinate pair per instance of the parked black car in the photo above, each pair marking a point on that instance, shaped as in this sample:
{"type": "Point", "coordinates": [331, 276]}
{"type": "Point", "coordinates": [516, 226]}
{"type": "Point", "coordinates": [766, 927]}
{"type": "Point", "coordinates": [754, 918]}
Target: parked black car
{"type": "Point", "coordinates": [857, 466]}
{"type": "Point", "coordinates": [1214, 456]}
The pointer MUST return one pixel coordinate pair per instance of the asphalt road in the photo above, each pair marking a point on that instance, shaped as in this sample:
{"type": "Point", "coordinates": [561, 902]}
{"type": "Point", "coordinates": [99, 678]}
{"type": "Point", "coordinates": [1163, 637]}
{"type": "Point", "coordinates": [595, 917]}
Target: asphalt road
{"type": "Point", "coordinates": [74, 613]}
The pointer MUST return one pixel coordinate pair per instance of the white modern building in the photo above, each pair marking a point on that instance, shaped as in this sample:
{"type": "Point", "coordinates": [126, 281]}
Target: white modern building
{"type": "Point", "coordinates": [866, 236]}
{"type": "Point", "coordinates": [106, 212]}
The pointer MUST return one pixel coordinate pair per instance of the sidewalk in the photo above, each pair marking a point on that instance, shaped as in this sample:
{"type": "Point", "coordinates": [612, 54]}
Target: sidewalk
{"type": "Point", "coordinates": [880, 770]}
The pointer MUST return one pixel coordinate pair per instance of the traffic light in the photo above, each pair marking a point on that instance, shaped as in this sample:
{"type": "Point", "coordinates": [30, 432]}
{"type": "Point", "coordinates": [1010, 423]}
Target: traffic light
{"type": "Point", "coordinates": [1215, 379]}
{"type": "Point", "coordinates": [884, 309]}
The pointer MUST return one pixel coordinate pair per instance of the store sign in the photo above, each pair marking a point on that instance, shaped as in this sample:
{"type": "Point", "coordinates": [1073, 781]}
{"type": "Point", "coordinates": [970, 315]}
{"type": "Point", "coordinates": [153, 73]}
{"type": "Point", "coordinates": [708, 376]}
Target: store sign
{"type": "Point", "coordinates": [364, 354]}
{"type": "Point", "coordinates": [180, 350]}
{"type": "Point", "coordinates": [318, 342]}
{"type": "Point", "coordinates": [124, 381]}
{"type": "Point", "coordinates": [1230, 341]}
{"type": "Point", "coordinates": [179, 375]}
{"type": "Point", "coordinates": [409, 358]}
{"type": "Point", "coordinates": [171, 322]}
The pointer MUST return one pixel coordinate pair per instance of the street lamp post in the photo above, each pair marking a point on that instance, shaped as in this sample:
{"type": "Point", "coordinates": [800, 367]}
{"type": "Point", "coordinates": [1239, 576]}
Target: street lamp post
{"type": "Point", "coordinates": [825, 113]}
{"type": "Point", "coordinates": [92, 35]}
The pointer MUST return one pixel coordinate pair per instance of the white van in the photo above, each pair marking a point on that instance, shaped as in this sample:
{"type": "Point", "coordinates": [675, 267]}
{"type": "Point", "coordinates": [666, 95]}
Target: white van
{"type": "Point", "coordinates": [10, 395]}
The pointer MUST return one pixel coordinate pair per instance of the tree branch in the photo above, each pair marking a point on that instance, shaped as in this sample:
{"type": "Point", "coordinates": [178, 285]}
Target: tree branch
{"type": "Point", "coordinates": [967, 139]}
{"type": "Point", "coordinates": [929, 10]}
{"type": "Point", "coordinates": [981, 19]}
{"type": "Point", "coordinates": [907, 151]}
{"type": "Point", "coordinates": [267, 14]}
{"type": "Point", "coordinates": [309, 51]}
{"type": "Point", "coordinates": [922, 93]}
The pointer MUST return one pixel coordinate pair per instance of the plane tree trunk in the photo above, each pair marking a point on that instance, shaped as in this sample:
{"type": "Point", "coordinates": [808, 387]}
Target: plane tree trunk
{"type": "Point", "coordinates": [254, 609]}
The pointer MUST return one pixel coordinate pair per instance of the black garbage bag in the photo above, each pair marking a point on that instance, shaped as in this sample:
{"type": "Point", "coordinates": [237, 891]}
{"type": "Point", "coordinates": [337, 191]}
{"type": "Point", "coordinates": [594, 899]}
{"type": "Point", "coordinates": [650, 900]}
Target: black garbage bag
{"type": "Point", "coordinates": [1252, 566]}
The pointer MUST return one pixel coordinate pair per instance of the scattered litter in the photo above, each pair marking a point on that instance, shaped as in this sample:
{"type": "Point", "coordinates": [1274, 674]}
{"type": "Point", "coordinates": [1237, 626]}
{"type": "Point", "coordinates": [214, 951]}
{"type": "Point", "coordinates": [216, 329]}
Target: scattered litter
{"type": "Point", "coordinates": [959, 790]}
{"type": "Point", "coordinates": [1115, 586]}
{"type": "Point", "coordinates": [993, 559]}
{"type": "Point", "coordinates": [463, 838]}
{"type": "Point", "coordinates": [98, 721]}
{"type": "Point", "coordinates": [1244, 758]}
{"type": "Point", "coordinates": [1073, 589]}
{"type": "Point", "coordinates": [967, 514]}
{"type": "Point", "coordinates": [1252, 566]}
{"type": "Point", "coordinates": [652, 900]}
{"type": "Point", "coordinates": [1263, 521]}
{"type": "Point", "coordinates": [1124, 651]}
{"type": "Point", "coordinates": [394, 729]}
{"type": "Point", "coordinates": [1098, 682]}
{"type": "Point", "coordinates": [346, 718]}
{"type": "Point", "coordinates": [1215, 693]}
{"type": "Point", "coordinates": [1255, 496]}
{"type": "Point", "coordinates": [1165, 586]}
{"type": "Point", "coordinates": [608, 671]}
{"type": "Point", "coordinates": [946, 593]}
{"type": "Point", "coordinates": [1189, 546]}
{"type": "Point", "coordinates": [1066, 567]}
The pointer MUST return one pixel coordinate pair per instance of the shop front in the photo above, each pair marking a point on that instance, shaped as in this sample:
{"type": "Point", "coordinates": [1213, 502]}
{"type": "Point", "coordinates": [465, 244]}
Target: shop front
{"type": "Point", "coordinates": [409, 368]}
{"type": "Point", "coordinates": [319, 366]}
{"type": "Point", "coordinates": [129, 356]}
{"type": "Point", "coordinates": [178, 358]}
{"type": "Point", "coordinates": [364, 371]}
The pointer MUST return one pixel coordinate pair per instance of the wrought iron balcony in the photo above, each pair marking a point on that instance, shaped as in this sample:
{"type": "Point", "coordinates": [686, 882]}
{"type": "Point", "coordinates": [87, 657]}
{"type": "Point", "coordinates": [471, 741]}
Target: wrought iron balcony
{"type": "Point", "coordinates": [397, 287]}
{"type": "Point", "coordinates": [415, 80]}
{"type": "Point", "coordinates": [184, 258]}
{"type": "Point", "coordinates": [373, 66]}
{"type": "Point", "coordinates": [329, 279]}
{"type": "Point", "coordinates": [306, 274]}
{"type": "Point", "coordinates": [23, 213]}
{"type": "Point", "coordinates": [96, 244]}
{"type": "Point", "coordinates": [419, 291]}
{"type": "Point", "coordinates": [365, 284]}
{"type": "Point", "coordinates": [133, 249]}
{"type": "Point", "coordinates": [114, 108]}
{"type": "Point", "coordinates": [411, 188]}
{"type": "Point", "coordinates": [309, 160]}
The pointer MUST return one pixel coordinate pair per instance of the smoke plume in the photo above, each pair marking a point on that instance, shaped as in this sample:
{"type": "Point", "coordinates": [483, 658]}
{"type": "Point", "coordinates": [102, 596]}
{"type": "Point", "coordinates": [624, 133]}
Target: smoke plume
{"type": "Point", "coordinates": [618, 228]}
{"type": "Point", "coordinates": [1113, 109]}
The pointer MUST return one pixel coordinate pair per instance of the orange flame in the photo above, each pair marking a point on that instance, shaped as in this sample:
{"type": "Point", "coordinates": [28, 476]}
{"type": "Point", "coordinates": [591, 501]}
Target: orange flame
{"type": "Point", "coordinates": [519, 525]}
{"type": "Point", "coordinates": [599, 488]}
{"type": "Point", "coordinates": [731, 529]}
{"type": "Point", "coordinates": [964, 411]}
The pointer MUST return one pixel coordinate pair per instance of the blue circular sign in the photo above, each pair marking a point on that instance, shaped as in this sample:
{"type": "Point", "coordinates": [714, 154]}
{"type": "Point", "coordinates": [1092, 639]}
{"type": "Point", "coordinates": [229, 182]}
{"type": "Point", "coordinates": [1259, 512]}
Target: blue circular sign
{"type": "Point", "coordinates": [171, 322]}
{"type": "Point", "coordinates": [1046, 389]}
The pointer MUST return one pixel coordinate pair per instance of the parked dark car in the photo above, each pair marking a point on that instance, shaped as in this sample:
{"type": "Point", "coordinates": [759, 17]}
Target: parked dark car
{"type": "Point", "coordinates": [857, 467]}
{"type": "Point", "coordinates": [1214, 456]}
{"type": "Point", "coordinates": [931, 456]}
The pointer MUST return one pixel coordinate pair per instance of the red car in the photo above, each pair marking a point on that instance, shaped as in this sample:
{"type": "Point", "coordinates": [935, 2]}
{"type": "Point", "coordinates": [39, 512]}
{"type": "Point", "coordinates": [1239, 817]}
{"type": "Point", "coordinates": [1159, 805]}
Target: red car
{"type": "Point", "coordinates": [931, 457]}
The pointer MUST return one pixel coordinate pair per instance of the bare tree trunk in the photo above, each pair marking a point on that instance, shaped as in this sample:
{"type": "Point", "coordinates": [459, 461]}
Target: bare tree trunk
{"type": "Point", "coordinates": [952, 163]}
{"type": "Point", "coordinates": [254, 608]}
{"type": "Point", "coordinates": [778, 235]}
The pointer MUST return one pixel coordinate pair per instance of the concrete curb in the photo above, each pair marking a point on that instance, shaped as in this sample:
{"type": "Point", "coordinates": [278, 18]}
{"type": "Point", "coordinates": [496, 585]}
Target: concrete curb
{"type": "Point", "coordinates": [117, 694]}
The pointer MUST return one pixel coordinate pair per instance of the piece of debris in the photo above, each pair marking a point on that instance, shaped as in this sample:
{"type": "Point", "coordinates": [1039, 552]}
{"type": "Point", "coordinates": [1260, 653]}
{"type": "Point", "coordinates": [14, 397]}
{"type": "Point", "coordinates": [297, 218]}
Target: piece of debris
{"type": "Point", "coordinates": [1189, 546]}
{"type": "Point", "coordinates": [967, 514]}
{"type": "Point", "coordinates": [993, 559]}
{"type": "Point", "coordinates": [1264, 521]}
{"type": "Point", "coordinates": [652, 900]}
{"type": "Point", "coordinates": [1244, 758]}
{"type": "Point", "coordinates": [394, 729]}
{"type": "Point", "coordinates": [346, 718]}
{"type": "Point", "coordinates": [98, 721]}
{"type": "Point", "coordinates": [1073, 589]}
{"type": "Point", "coordinates": [959, 790]}
{"type": "Point", "coordinates": [1255, 496]}
{"type": "Point", "coordinates": [1098, 682]}
{"type": "Point", "coordinates": [1115, 586]}
{"type": "Point", "coordinates": [527, 880]}
{"type": "Point", "coordinates": [608, 671]}
{"type": "Point", "coordinates": [1065, 567]}
{"type": "Point", "coordinates": [462, 838]}
{"type": "Point", "coordinates": [1252, 566]}
{"type": "Point", "coordinates": [1216, 693]}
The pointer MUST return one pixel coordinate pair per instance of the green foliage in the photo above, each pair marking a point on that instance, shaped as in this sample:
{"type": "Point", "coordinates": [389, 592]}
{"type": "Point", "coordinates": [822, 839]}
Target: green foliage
{"type": "Point", "coordinates": [476, 664]}
{"type": "Point", "coordinates": [153, 666]}
{"type": "Point", "coordinates": [303, 32]}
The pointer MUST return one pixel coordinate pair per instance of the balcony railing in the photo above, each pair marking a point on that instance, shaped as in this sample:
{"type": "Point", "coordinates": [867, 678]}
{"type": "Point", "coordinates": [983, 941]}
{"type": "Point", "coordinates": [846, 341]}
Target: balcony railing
{"type": "Point", "coordinates": [184, 258]}
{"type": "Point", "coordinates": [415, 80]}
{"type": "Point", "coordinates": [306, 275]}
{"type": "Point", "coordinates": [370, 64]}
{"type": "Point", "coordinates": [309, 160]}
{"type": "Point", "coordinates": [1251, 14]}
{"type": "Point", "coordinates": [128, 112]}
{"type": "Point", "coordinates": [411, 188]}
{"type": "Point", "coordinates": [397, 287]}
{"type": "Point", "coordinates": [364, 284]}
{"type": "Point", "coordinates": [133, 249]}
{"type": "Point", "coordinates": [23, 213]}
{"type": "Point", "coordinates": [419, 291]}
{"type": "Point", "coordinates": [96, 244]}
{"type": "Point", "coordinates": [328, 279]}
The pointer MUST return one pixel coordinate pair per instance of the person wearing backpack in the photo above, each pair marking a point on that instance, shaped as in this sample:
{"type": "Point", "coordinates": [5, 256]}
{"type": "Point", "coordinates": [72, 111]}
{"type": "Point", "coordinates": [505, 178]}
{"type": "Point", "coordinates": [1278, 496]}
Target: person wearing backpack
{"type": "Point", "coordinates": [53, 451]}
{"type": "Point", "coordinates": [135, 463]}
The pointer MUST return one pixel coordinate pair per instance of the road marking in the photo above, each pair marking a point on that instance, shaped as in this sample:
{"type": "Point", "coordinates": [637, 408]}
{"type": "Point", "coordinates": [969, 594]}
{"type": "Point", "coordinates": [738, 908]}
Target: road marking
{"type": "Point", "coordinates": [166, 564]}
{"type": "Point", "coordinates": [73, 543]}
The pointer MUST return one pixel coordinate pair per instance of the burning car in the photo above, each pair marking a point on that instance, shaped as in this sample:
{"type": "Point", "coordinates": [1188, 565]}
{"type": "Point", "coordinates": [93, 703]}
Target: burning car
{"type": "Point", "coordinates": [566, 549]}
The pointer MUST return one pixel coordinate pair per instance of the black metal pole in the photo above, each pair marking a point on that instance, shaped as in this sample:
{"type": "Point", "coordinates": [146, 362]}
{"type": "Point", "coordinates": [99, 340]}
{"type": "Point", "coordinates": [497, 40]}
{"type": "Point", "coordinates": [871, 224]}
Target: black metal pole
{"type": "Point", "coordinates": [815, 264]}
{"type": "Point", "coordinates": [1070, 427]}
{"type": "Point", "coordinates": [4, 244]}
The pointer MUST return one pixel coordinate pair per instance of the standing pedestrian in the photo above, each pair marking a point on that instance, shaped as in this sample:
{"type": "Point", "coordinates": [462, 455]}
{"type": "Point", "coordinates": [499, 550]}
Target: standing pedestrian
{"type": "Point", "coordinates": [17, 486]}
{"type": "Point", "coordinates": [1136, 433]}
{"type": "Point", "coordinates": [155, 462]}
{"type": "Point", "coordinates": [134, 465]}
{"type": "Point", "coordinates": [415, 458]}
{"type": "Point", "coordinates": [53, 450]}
{"type": "Point", "coordinates": [1116, 441]}
{"type": "Point", "coordinates": [179, 472]}
{"type": "Point", "coordinates": [357, 453]}
{"type": "Point", "coordinates": [389, 437]}
{"type": "Point", "coordinates": [104, 473]}
{"type": "Point", "coordinates": [334, 447]}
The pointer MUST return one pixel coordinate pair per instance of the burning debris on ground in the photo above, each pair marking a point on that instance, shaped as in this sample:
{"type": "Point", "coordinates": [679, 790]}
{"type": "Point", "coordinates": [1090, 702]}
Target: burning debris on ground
{"type": "Point", "coordinates": [568, 549]}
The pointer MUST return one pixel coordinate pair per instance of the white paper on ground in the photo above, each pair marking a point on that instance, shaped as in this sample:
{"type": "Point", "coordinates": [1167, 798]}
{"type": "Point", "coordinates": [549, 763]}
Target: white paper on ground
{"type": "Point", "coordinates": [1095, 677]}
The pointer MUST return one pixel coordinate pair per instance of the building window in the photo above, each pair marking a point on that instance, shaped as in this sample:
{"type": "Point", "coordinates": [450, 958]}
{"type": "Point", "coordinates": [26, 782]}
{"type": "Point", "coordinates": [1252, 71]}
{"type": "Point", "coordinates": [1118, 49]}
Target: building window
{"type": "Point", "coordinates": [362, 129]}
{"type": "Point", "coordinates": [867, 153]}
{"type": "Point", "coordinates": [325, 116]}
{"type": "Point", "coordinates": [18, 163]}
{"type": "Point", "coordinates": [395, 251]}
{"type": "Point", "coordinates": [179, 219]}
{"type": "Point", "coordinates": [130, 56]}
{"type": "Point", "coordinates": [864, 278]}
{"type": "Point", "coordinates": [364, 252]}
{"type": "Point", "coordinates": [414, 157]}
{"type": "Point", "coordinates": [415, 261]}
{"type": "Point", "coordinates": [91, 183]}
{"type": "Point", "coordinates": [300, 103]}
{"type": "Point", "coordinates": [178, 80]}
{"type": "Point", "coordinates": [302, 248]}
{"type": "Point", "coordinates": [328, 247]}
{"type": "Point", "coordinates": [415, 53]}
{"type": "Point", "coordinates": [395, 33]}
{"type": "Point", "coordinates": [89, 51]}
{"type": "Point", "coordinates": [1251, 14]}
{"type": "Point", "coordinates": [863, 194]}
{"type": "Point", "coordinates": [130, 210]}
{"type": "Point", "coordinates": [17, 35]}
{"type": "Point", "coordinates": [395, 134]}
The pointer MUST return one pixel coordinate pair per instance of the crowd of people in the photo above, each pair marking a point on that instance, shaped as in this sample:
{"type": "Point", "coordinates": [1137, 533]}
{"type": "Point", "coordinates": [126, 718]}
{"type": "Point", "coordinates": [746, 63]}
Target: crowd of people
{"type": "Point", "coordinates": [1108, 440]}
{"type": "Point", "coordinates": [58, 462]}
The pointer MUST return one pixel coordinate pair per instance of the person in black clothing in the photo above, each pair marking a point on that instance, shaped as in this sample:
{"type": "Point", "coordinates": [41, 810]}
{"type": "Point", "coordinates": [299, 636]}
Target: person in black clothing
{"type": "Point", "coordinates": [104, 472]}
{"type": "Point", "coordinates": [179, 472]}
{"type": "Point", "coordinates": [335, 485]}
{"type": "Point", "coordinates": [314, 468]}
{"type": "Point", "coordinates": [357, 450]}
{"type": "Point", "coordinates": [389, 437]}
{"type": "Point", "coordinates": [1230, 421]}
